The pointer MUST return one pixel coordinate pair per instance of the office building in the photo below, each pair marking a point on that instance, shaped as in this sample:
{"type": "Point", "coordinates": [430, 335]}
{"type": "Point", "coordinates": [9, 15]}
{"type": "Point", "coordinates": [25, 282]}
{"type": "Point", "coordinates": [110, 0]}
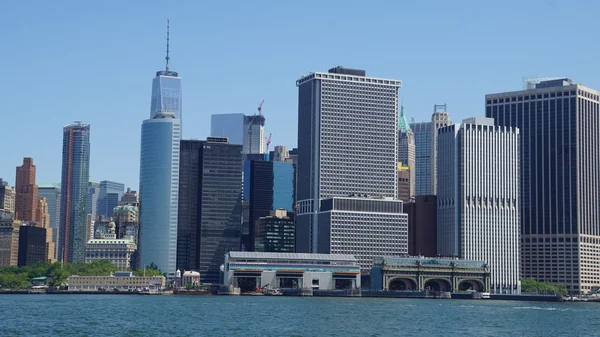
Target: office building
{"type": "Point", "coordinates": [275, 233]}
{"type": "Point", "coordinates": [26, 202]}
{"type": "Point", "coordinates": [9, 239]}
{"type": "Point", "coordinates": [560, 206]}
{"type": "Point", "coordinates": [254, 134]}
{"type": "Point", "coordinates": [230, 126]}
{"type": "Point", "coordinates": [210, 179]}
{"type": "Point", "coordinates": [363, 228]}
{"type": "Point", "coordinates": [32, 245]}
{"type": "Point", "coordinates": [74, 188]}
{"type": "Point", "coordinates": [92, 198]}
{"type": "Point", "coordinates": [43, 220]}
{"type": "Point", "coordinates": [268, 186]}
{"type": "Point", "coordinates": [126, 218]}
{"type": "Point", "coordinates": [280, 153]}
{"type": "Point", "coordinates": [404, 183]}
{"type": "Point", "coordinates": [51, 192]}
{"type": "Point", "coordinates": [7, 197]}
{"type": "Point", "coordinates": [119, 252]}
{"type": "Point", "coordinates": [290, 271]}
{"type": "Point", "coordinates": [109, 195]}
{"type": "Point", "coordinates": [422, 226]}
{"type": "Point", "coordinates": [425, 134]}
{"type": "Point", "coordinates": [159, 173]}
{"type": "Point", "coordinates": [478, 198]}
{"type": "Point", "coordinates": [120, 281]}
{"type": "Point", "coordinates": [406, 152]}
{"type": "Point", "coordinates": [345, 145]}
{"type": "Point", "coordinates": [130, 198]}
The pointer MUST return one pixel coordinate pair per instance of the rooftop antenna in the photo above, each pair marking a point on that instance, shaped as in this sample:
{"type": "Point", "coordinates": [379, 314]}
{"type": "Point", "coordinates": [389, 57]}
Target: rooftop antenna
{"type": "Point", "coordinates": [167, 58]}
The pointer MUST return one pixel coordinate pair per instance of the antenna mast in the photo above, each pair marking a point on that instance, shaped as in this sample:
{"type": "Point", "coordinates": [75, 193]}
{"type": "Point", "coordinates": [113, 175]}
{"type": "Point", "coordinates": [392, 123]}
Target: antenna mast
{"type": "Point", "coordinates": [167, 57]}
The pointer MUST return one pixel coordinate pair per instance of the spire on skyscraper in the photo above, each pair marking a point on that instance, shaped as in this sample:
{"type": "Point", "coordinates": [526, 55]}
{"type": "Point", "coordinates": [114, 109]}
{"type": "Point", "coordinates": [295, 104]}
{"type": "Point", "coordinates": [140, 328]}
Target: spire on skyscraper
{"type": "Point", "coordinates": [403, 124]}
{"type": "Point", "coordinates": [167, 57]}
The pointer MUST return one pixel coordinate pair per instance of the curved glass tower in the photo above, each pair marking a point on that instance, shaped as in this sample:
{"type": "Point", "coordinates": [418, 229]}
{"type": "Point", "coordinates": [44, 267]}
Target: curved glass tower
{"type": "Point", "coordinates": [159, 173]}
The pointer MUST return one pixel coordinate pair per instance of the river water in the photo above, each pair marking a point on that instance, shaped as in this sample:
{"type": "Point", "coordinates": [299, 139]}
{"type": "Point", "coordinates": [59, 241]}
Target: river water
{"type": "Point", "coordinates": [134, 315]}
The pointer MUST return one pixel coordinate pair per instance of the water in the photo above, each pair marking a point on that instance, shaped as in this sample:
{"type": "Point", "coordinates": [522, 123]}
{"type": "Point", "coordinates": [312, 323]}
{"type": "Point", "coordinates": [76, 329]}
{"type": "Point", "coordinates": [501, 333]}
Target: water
{"type": "Point", "coordinates": [132, 315]}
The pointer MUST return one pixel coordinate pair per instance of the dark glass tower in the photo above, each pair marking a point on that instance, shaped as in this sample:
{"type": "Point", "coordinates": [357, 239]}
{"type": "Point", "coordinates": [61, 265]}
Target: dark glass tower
{"type": "Point", "coordinates": [267, 186]}
{"type": "Point", "coordinates": [74, 188]}
{"type": "Point", "coordinates": [209, 216]}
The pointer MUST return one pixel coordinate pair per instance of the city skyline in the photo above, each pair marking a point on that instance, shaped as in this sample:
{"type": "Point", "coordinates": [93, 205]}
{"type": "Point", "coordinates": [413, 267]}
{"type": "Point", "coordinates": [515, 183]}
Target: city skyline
{"type": "Point", "coordinates": [431, 48]}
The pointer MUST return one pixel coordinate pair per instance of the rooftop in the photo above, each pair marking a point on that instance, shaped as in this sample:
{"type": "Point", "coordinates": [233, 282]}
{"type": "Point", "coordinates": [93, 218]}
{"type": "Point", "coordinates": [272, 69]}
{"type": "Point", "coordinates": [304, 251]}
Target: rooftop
{"type": "Point", "coordinates": [293, 256]}
{"type": "Point", "coordinates": [413, 260]}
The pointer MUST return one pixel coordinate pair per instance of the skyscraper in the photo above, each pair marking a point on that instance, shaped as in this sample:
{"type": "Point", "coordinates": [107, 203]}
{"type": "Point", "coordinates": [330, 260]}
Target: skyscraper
{"type": "Point", "coordinates": [52, 194]}
{"type": "Point", "coordinates": [425, 134]}
{"type": "Point", "coordinates": [228, 125]}
{"type": "Point", "coordinates": [347, 144]}
{"type": "Point", "coordinates": [74, 183]}
{"type": "Point", "coordinates": [159, 172]}
{"type": "Point", "coordinates": [478, 198]}
{"type": "Point", "coordinates": [209, 205]}
{"type": "Point", "coordinates": [109, 194]}
{"type": "Point", "coordinates": [254, 134]}
{"type": "Point", "coordinates": [26, 202]}
{"type": "Point", "coordinates": [92, 198]}
{"type": "Point", "coordinates": [268, 186]}
{"type": "Point", "coordinates": [406, 151]}
{"type": "Point", "coordinates": [560, 205]}
{"type": "Point", "coordinates": [7, 197]}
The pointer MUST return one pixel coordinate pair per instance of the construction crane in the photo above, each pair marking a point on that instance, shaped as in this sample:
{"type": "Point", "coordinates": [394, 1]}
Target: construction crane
{"type": "Point", "coordinates": [268, 142]}
{"type": "Point", "coordinates": [251, 123]}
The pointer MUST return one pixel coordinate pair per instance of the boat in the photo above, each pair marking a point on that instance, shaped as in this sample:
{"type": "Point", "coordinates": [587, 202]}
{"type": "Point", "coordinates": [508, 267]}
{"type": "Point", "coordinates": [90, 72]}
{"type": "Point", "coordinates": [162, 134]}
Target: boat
{"type": "Point", "coordinates": [485, 295]}
{"type": "Point", "coordinates": [272, 292]}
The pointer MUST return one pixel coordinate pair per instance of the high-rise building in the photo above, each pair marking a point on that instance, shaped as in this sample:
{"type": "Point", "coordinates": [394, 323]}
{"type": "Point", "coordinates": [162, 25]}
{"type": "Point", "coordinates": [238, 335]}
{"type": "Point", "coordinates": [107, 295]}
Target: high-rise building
{"type": "Point", "coordinates": [406, 150]}
{"type": "Point", "coordinates": [51, 192]}
{"type": "Point", "coordinates": [422, 226]}
{"type": "Point", "coordinates": [425, 139]}
{"type": "Point", "coordinates": [7, 197]}
{"type": "Point", "coordinates": [74, 188]}
{"type": "Point", "coordinates": [345, 145]}
{"type": "Point", "coordinates": [92, 198]}
{"type": "Point", "coordinates": [109, 194]}
{"type": "Point", "coordinates": [228, 125]}
{"type": "Point", "coordinates": [209, 205]}
{"type": "Point", "coordinates": [32, 245]}
{"type": "Point", "coordinates": [268, 186]}
{"type": "Point", "coordinates": [126, 221]}
{"type": "Point", "coordinates": [404, 183]}
{"type": "Point", "coordinates": [422, 134]}
{"type": "Point", "coordinates": [560, 206]}
{"type": "Point", "coordinates": [9, 239]}
{"type": "Point", "coordinates": [130, 198]}
{"type": "Point", "coordinates": [275, 233]}
{"type": "Point", "coordinates": [26, 202]}
{"type": "Point", "coordinates": [439, 119]}
{"type": "Point", "coordinates": [159, 173]}
{"type": "Point", "coordinates": [43, 221]}
{"type": "Point", "coordinates": [254, 134]}
{"type": "Point", "coordinates": [478, 198]}
{"type": "Point", "coordinates": [280, 153]}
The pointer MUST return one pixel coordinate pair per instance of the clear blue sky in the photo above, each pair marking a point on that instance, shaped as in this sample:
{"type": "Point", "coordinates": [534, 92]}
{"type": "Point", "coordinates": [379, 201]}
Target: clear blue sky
{"type": "Point", "coordinates": [94, 61]}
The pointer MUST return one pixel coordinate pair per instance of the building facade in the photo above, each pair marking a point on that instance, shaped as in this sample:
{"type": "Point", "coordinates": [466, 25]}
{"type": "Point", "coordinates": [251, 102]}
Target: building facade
{"type": "Point", "coordinates": [26, 202]}
{"type": "Point", "coordinates": [228, 125]}
{"type": "Point", "coordinates": [331, 118]}
{"type": "Point", "coordinates": [74, 183]}
{"type": "Point", "coordinates": [254, 134]}
{"type": "Point", "coordinates": [478, 198]}
{"type": "Point", "coordinates": [560, 206]}
{"type": "Point", "coordinates": [288, 271]}
{"type": "Point", "coordinates": [92, 198]}
{"type": "Point", "coordinates": [51, 192]}
{"type": "Point", "coordinates": [422, 134]}
{"type": "Point", "coordinates": [121, 281]}
{"type": "Point", "coordinates": [7, 197]}
{"type": "Point", "coordinates": [439, 119]}
{"type": "Point", "coordinates": [9, 239]}
{"type": "Point", "coordinates": [130, 198]}
{"type": "Point", "coordinates": [119, 252]}
{"type": "Point", "coordinates": [280, 153]}
{"type": "Point", "coordinates": [210, 205]}
{"type": "Point", "coordinates": [268, 186]}
{"type": "Point", "coordinates": [422, 226]}
{"type": "Point", "coordinates": [404, 183]}
{"type": "Point", "coordinates": [159, 173]}
{"type": "Point", "coordinates": [275, 233]}
{"type": "Point", "coordinates": [363, 228]}
{"type": "Point", "coordinates": [406, 152]}
{"type": "Point", "coordinates": [109, 195]}
{"type": "Point", "coordinates": [32, 245]}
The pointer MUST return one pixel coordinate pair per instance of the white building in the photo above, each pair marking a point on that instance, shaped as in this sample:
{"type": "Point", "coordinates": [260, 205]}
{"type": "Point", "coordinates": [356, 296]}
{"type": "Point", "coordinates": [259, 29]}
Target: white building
{"type": "Point", "coordinates": [347, 143]}
{"type": "Point", "coordinates": [115, 251]}
{"type": "Point", "coordinates": [362, 227]}
{"type": "Point", "coordinates": [121, 281]}
{"type": "Point", "coordinates": [240, 129]}
{"type": "Point", "coordinates": [478, 198]}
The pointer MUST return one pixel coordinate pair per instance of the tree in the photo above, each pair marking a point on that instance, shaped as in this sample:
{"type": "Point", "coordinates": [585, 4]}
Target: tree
{"type": "Point", "coordinates": [532, 286]}
{"type": "Point", "coordinates": [151, 270]}
{"type": "Point", "coordinates": [14, 281]}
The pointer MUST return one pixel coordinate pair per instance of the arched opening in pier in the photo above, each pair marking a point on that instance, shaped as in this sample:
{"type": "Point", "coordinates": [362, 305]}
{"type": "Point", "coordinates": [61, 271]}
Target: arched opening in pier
{"type": "Point", "coordinates": [470, 285]}
{"type": "Point", "coordinates": [438, 285]}
{"type": "Point", "coordinates": [402, 284]}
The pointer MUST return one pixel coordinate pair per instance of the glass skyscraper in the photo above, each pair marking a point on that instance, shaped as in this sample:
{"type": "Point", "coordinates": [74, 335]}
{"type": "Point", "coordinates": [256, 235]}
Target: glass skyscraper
{"type": "Point", "coordinates": [159, 173]}
{"type": "Point", "coordinates": [109, 194]}
{"type": "Point", "coordinates": [52, 194]}
{"type": "Point", "coordinates": [228, 125]}
{"type": "Point", "coordinates": [268, 186]}
{"type": "Point", "coordinates": [74, 188]}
